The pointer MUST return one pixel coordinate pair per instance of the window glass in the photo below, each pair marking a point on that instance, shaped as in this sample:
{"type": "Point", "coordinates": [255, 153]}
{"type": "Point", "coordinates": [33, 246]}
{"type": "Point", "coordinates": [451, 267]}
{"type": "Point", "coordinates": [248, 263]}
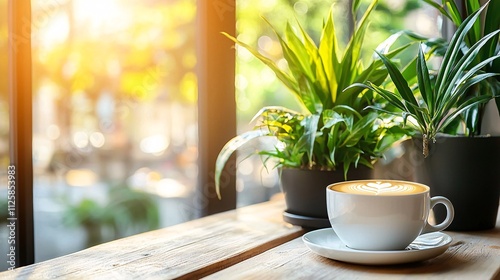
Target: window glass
{"type": "Point", "coordinates": [114, 118]}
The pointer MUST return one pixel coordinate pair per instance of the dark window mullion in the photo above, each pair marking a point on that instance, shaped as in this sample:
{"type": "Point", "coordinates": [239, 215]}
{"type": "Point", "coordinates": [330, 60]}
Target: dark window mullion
{"type": "Point", "coordinates": [216, 102]}
{"type": "Point", "coordinates": [21, 133]}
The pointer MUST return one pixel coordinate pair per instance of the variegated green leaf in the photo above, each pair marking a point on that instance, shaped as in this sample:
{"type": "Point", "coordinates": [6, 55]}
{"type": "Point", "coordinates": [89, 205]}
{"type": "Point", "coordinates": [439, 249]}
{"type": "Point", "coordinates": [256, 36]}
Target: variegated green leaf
{"type": "Point", "coordinates": [424, 81]}
{"type": "Point", "coordinates": [230, 147]}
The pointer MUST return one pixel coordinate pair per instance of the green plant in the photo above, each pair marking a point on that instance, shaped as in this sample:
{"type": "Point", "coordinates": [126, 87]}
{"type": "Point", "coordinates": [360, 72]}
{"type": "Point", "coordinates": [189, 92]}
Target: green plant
{"type": "Point", "coordinates": [127, 212]}
{"type": "Point", "coordinates": [439, 100]}
{"type": "Point", "coordinates": [334, 131]}
{"type": "Point", "coordinates": [491, 22]}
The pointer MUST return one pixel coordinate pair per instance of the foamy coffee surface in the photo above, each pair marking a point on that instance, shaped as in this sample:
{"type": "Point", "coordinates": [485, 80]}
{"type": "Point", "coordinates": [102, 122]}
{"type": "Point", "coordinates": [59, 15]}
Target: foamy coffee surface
{"type": "Point", "coordinates": [382, 188]}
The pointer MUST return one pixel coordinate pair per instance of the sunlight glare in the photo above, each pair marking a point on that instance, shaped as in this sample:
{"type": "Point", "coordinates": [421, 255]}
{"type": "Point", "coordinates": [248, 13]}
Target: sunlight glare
{"type": "Point", "coordinates": [97, 139]}
{"type": "Point", "coordinates": [53, 32]}
{"type": "Point", "coordinates": [53, 132]}
{"type": "Point", "coordinates": [80, 139]}
{"type": "Point", "coordinates": [155, 144]}
{"type": "Point", "coordinates": [81, 177]}
{"type": "Point", "coordinates": [102, 16]}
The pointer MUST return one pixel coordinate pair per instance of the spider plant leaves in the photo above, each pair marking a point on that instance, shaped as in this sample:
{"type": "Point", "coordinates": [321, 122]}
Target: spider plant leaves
{"type": "Point", "coordinates": [390, 96]}
{"type": "Point", "coordinates": [445, 121]}
{"type": "Point", "coordinates": [458, 85]}
{"type": "Point", "coordinates": [397, 101]}
{"type": "Point", "coordinates": [475, 33]}
{"type": "Point", "coordinates": [452, 65]}
{"type": "Point", "coordinates": [402, 86]}
{"type": "Point", "coordinates": [488, 24]}
{"type": "Point", "coordinates": [492, 23]}
{"type": "Point", "coordinates": [453, 51]}
{"type": "Point", "coordinates": [467, 60]}
{"type": "Point", "coordinates": [454, 11]}
{"type": "Point", "coordinates": [442, 101]}
{"type": "Point", "coordinates": [424, 81]}
{"type": "Point", "coordinates": [492, 19]}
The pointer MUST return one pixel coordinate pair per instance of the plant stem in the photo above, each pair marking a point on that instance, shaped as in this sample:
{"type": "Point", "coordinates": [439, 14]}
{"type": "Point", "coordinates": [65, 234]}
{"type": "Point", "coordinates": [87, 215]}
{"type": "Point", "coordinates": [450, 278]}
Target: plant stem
{"type": "Point", "coordinates": [425, 145]}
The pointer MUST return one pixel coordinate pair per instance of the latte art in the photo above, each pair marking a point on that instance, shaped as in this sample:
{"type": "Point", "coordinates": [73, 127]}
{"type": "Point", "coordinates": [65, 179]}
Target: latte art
{"type": "Point", "coordinates": [379, 188]}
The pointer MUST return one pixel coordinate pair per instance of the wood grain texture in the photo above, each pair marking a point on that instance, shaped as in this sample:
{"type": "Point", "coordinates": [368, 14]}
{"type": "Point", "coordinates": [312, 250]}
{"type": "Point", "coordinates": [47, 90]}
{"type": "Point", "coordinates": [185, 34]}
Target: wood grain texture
{"type": "Point", "coordinates": [253, 243]}
{"type": "Point", "coordinates": [190, 250]}
{"type": "Point", "coordinates": [472, 255]}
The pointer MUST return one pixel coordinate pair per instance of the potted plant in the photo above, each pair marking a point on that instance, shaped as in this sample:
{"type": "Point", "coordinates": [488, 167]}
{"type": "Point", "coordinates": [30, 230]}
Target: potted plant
{"type": "Point", "coordinates": [333, 138]}
{"type": "Point", "coordinates": [475, 116]}
{"type": "Point", "coordinates": [443, 110]}
{"type": "Point", "coordinates": [128, 212]}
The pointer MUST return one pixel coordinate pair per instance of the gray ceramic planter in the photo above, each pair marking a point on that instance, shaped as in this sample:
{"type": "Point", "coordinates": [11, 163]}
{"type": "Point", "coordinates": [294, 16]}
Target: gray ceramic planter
{"type": "Point", "coordinates": [305, 193]}
{"type": "Point", "coordinates": [466, 170]}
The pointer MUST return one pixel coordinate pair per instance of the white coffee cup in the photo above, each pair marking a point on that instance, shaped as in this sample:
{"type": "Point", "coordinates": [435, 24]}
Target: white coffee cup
{"type": "Point", "coordinates": [382, 215]}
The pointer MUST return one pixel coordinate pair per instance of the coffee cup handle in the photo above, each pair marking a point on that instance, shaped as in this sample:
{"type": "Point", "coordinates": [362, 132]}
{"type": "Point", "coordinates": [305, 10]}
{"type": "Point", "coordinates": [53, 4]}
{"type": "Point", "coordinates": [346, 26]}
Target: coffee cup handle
{"type": "Point", "coordinates": [449, 215]}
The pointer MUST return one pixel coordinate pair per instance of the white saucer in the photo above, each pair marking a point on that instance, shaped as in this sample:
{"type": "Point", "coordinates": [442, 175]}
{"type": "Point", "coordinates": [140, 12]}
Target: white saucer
{"type": "Point", "coordinates": [325, 242]}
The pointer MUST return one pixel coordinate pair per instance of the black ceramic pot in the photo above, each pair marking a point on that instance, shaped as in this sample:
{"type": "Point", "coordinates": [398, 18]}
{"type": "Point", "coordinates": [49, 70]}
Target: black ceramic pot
{"type": "Point", "coordinates": [466, 170]}
{"type": "Point", "coordinates": [305, 193]}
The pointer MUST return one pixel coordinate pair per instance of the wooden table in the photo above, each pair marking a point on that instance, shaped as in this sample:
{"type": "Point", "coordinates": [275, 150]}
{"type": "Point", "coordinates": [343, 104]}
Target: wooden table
{"type": "Point", "coordinates": [253, 243]}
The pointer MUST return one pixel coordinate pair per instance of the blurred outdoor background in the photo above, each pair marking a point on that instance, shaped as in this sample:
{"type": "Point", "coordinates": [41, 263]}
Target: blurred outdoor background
{"type": "Point", "coordinates": [115, 109]}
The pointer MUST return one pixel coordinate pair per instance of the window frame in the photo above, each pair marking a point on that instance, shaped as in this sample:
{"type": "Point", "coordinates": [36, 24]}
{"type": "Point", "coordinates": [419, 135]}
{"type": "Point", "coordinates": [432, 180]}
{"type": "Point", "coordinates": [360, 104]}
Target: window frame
{"type": "Point", "coordinates": [216, 103]}
{"type": "Point", "coordinates": [21, 133]}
